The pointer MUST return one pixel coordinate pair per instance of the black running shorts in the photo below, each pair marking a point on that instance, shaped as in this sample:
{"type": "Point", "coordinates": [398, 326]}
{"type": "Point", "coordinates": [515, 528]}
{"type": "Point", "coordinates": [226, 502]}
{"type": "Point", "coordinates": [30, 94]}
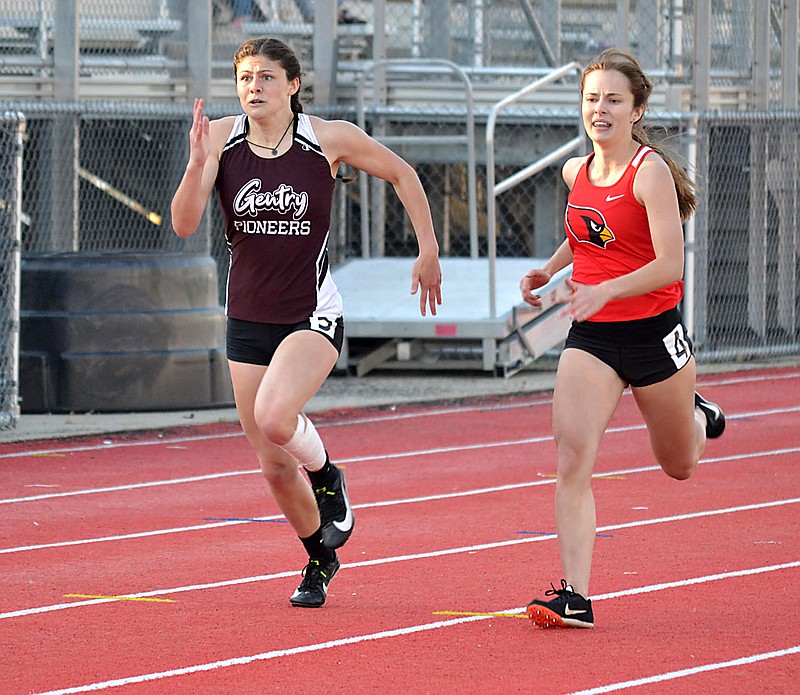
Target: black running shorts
{"type": "Point", "coordinates": [641, 352]}
{"type": "Point", "coordinates": [255, 343]}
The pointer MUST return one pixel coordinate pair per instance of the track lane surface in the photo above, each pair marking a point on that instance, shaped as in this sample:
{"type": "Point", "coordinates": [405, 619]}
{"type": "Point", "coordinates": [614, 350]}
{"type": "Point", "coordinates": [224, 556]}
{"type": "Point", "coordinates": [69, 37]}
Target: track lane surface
{"type": "Point", "coordinates": [381, 596]}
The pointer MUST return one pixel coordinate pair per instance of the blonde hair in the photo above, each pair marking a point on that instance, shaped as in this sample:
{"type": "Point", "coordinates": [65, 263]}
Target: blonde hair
{"type": "Point", "coordinates": [641, 88]}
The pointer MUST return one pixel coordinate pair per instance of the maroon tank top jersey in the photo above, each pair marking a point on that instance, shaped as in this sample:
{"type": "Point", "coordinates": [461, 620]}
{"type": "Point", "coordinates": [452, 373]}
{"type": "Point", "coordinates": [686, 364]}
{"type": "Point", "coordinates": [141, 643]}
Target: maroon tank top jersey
{"type": "Point", "coordinates": [609, 235]}
{"type": "Point", "coordinates": [277, 222]}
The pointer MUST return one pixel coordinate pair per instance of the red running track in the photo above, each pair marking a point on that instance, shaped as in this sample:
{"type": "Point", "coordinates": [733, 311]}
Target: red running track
{"type": "Point", "coordinates": [158, 563]}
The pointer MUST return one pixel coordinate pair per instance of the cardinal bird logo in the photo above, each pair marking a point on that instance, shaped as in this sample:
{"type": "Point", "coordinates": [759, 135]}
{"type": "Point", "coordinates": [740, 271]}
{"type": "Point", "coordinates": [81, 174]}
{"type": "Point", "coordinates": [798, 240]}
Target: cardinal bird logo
{"type": "Point", "coordinates": [589, 226]}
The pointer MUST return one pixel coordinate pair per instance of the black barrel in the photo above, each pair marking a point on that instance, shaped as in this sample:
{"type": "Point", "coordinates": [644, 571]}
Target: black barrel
{"type": "Point", "coordinates": [121, 332]}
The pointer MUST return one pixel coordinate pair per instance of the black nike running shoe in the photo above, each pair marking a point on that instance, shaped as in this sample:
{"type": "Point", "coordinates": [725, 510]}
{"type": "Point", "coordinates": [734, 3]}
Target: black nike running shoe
{"type": "Point", "coordinates": [313, 590]}
{"type": "Point", "coordinates": [567, 609]}
{"type": "Point", "coordinates": [335, 512]}
{"type": "Point", "coordinates": [715, 418]}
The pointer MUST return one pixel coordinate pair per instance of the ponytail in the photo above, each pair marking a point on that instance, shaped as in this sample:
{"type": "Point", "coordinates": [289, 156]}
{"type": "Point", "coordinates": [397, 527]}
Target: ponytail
{"type": "Point", "coordinates": [684, 186]}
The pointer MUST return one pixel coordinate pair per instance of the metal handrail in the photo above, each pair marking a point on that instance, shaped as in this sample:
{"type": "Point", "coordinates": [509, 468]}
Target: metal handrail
{"type": "Point", "coordinates": [493, 189]}
{"type": "Point", "coordinates": [419, 66]}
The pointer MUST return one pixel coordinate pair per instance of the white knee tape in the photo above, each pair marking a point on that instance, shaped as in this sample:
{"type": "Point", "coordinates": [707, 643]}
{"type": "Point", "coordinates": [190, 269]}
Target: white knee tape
{"type": "Point", "coordinates": [306, 445]}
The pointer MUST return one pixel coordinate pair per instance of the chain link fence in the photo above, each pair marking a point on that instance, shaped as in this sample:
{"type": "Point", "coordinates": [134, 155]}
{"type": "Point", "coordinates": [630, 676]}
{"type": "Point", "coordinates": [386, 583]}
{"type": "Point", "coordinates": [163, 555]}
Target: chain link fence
{"type": "Point", "coordinates": [143, 48]}
{"type": "Point", "coordinates": [100, 177]}
{"type": "Point", "coordinates": [131, 159]}
{"type": "Point", "coordinates": [748, 245]}
{"type": "Point", "coordinates": [99, 171]}
{"type": "Point", "coordinates": [11, 130]}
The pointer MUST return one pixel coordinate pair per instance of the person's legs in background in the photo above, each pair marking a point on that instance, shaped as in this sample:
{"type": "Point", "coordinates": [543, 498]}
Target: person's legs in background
{"type": "Point", "coordinates": [242, 13]}
{"type": "Point", "coordinates": [306, 8]}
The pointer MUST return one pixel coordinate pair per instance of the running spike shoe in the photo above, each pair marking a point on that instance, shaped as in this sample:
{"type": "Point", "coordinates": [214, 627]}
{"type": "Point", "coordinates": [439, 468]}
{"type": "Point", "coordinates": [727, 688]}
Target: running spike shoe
{"type": "Point", "coordinates": [567, 609]}
{"type": "Point", "coordinates": [313, 590]}
{"type": "Point", "coordinates": [715, 418]}
{"type": "Point", "coordinates": [335, 511]}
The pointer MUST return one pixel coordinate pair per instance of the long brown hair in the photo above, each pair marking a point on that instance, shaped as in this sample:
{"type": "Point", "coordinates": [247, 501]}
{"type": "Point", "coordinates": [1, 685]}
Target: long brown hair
{"type": "Point", "coordinates": [275, 50]}
{"type": "Point", "coordinates": [641, 88]}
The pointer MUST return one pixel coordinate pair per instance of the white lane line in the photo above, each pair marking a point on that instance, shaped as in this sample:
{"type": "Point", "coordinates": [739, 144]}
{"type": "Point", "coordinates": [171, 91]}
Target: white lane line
{"type": "Point", "coordinates": [117, 445]}
{"type": "Point", "coordinates": [130, 486]}
{"type": "Point", "coordinates": [388, 417]}
{"type": "Point", "coordinates": [384, 503]}
{"type": "Point", "coordinates": [242, 660]}
{"type": "Point", "coordinates": [373, 457]}
{"type": "Point", "coordinates": [696, 580]}
{"type": "Point", "coordinates": [672, 675]}
{"type": "Point", "coordinates": [371, 637]}
{"type": "Point", "coordinates": [402, 558]}
{"type": "Point", "coordinates": [454, 410]}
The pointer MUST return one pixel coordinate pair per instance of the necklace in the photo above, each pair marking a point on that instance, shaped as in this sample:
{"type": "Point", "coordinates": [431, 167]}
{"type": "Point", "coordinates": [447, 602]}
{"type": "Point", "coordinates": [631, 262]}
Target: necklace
{"type": "Point", "coordinates": [273, 150]}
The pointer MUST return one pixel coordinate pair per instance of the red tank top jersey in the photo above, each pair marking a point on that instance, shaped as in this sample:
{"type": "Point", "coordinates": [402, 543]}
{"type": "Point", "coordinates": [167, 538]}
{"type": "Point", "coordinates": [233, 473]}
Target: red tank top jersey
{"type": "Point", "coordinates": [609, 236]}
{"type": "Point", "coordinates": [277, 223]}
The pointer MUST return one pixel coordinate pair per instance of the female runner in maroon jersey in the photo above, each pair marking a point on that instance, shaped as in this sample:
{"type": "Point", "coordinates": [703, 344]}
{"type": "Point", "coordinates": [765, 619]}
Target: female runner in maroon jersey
{"type": "Point", "coordinates": [274, 168]}
{"type": "Point", "coordinates": [623, 220]}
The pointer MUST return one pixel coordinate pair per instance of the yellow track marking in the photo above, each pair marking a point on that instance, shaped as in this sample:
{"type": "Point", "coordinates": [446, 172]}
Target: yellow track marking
{"type": "Point", "coordinates": [467, 613]}
{"type": "Point", "coordinates": [122, 598]}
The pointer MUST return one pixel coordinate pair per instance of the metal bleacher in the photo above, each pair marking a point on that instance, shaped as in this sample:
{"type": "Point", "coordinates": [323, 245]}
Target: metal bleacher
{"type": "Point", "coordinates": [384, 327]}
{"type": "Point", "coordinates": [123, 46]}
{"type": "Point", "coordinates": [283, 19]}
{"type": "Point", "coordinates": [103, 25]}
{"type": "Point", "coordinates": [483, 323]}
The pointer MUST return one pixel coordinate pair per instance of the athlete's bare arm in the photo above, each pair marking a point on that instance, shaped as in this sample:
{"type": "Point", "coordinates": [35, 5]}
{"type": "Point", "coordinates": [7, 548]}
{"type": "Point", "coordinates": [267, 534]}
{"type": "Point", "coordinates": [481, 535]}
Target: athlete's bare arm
{"type": "Point", "coordinates": [206, 139]}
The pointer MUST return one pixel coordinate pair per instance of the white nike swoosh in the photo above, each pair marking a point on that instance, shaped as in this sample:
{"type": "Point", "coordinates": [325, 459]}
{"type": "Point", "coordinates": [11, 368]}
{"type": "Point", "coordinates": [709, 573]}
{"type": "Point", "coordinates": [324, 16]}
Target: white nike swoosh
{"type": "Point", "coordinates": [324, 590]}
{"type": "Point", "coordinates": [609, 198]}
{"type": "Point", "coordinates": [715, 409]}
{"type": "Point", "coordinates": [569, 611]}
{"type": "Point", "coordinates": [347, 523]}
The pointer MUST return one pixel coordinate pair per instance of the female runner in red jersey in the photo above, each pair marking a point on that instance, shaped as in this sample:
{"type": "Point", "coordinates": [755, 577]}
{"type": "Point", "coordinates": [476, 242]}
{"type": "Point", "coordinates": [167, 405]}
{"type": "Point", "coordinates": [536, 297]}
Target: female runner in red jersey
{"type": "Point", "coordinates": [623, 225]}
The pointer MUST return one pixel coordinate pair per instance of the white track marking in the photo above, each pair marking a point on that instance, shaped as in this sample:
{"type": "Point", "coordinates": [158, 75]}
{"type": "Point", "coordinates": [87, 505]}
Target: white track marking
{"type": "Point", "coordinates": [672, 675]}
{"type": "Point", "coordinates": [240, 661]}
{"type": "Point", "coordinates": [403, 558]}
{"type": "Point", "coordinates": [384, 503]}
{"type": "Point", "coordinates": [362, 459]}
{"type": "Point", "coordinates": [439, 624]}
{"type": "Point", "coordinates": [455, 410]}
{"type": "Point", "coordinates": [401, 632]}
{"type": "Point", "coordinates": [697, 580]}
{"type": "Point", "coordinates": [130, 486]}
{"type": "Point", "coordinates": [389, 417]}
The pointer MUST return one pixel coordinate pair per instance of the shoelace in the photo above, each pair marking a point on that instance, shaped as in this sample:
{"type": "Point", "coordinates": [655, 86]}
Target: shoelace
{"type": "Point", "coordinates": [310, 572]}
{"type": "Point", "coordinates": [559, 592]}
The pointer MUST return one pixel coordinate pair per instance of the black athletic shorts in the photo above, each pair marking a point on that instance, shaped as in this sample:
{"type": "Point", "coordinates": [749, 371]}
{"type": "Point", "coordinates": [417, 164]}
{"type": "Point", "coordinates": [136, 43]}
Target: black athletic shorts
{"type": "Point", "coordinates": [642, 352]}
{"type": "Point", "coordinates": [255, 343]}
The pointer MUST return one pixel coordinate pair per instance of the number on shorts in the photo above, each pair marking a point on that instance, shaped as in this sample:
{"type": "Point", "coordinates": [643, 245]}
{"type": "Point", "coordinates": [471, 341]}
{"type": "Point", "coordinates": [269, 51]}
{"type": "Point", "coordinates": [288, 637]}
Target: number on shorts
{"type": "Point", "coordinates": [324, 324]}
{"type": "Point", "coordinates": [677, 346]}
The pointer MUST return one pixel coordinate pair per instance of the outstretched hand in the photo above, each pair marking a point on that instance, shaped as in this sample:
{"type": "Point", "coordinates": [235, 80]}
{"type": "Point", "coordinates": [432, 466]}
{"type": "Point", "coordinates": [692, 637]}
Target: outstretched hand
{"type": "Point", "coordinates": [427, 274]}
{"type": "Point", "coordinates": [532, 280]}
{"type": "Point", "coordinates": [199, 138]}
